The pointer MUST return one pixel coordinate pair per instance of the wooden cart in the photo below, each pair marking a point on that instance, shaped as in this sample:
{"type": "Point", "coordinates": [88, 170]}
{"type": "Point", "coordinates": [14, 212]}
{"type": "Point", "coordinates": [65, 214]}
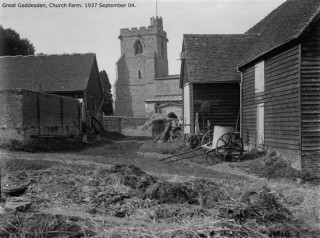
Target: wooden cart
{"type": "Point", "coordinates": [221, 141]}
{"type": "Point", "coordinates": [226, 143]}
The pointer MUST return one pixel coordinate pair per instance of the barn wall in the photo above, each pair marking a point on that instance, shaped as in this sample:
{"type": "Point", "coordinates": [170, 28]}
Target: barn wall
{"type": "Point", "coordinates": [223, 100]}
{"type": "Point", "coordinates": [24, 113]}
{"type": "Point", "coordinates": [281, 102]}
{"type": "Point", "coordinates": [249, 111]}
{"type": "Point", "coordinates": [93, 91]}
{"type": "Point", "coordinates": [310, 100]}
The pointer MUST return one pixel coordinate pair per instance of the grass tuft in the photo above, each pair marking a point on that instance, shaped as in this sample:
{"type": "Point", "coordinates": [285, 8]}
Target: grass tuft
{"type": "Point", "coordinates": [168, 148]}
{"type": "Point", "coordinates": [15, 164]}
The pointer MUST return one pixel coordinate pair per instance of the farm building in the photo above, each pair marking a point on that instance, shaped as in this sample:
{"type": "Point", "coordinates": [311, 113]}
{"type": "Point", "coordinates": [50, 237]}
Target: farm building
{"type": "Point", "coordinates": [209, 79]}
{"type": "Point", "coordinates": [26, 113]}
{"type": "Point", "coordinates": [75, 76]}
{"type": "Point", "coordinates": [281, 84]}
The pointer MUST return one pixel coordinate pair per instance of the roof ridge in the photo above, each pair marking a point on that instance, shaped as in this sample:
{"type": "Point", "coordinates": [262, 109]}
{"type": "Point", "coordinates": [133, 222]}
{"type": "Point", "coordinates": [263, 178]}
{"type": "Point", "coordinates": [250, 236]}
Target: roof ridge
{"type": "Point", "coordinates": [46, 55]}
{"type": "Point", "coordinates": [287, 23]}
{"type": "Point", "coordinates": [233, 34]}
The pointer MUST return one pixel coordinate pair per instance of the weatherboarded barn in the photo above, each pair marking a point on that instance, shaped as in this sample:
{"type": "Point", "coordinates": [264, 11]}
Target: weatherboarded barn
{"type": "Point", "coordinates": [75, 75]}
{"type": "Point", "coordinates": [281, 84]}
{"type": "Point", "coordinates": [209, 79]}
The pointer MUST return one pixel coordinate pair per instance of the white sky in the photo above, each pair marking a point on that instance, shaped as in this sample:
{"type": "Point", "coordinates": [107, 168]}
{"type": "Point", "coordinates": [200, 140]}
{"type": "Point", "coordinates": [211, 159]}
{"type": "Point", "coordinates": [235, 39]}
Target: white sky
{"type": "Point", "coordinates": [82, 30]}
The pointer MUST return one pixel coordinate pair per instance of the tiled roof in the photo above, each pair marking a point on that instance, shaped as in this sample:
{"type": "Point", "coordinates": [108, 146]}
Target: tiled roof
{"type": "Point", "coordinates": [160, 98]}
{"type": "Point", "coordinates": [286, 23]}
{"type": "Point", "coordinates": [54, 73]}
{"type": "Point", "coordinates": [213, 58]}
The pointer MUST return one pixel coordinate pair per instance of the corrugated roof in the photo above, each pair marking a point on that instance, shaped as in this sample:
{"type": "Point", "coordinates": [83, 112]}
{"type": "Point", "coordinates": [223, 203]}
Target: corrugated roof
{"type": "Point", "coordinates": [286, 23]}
{"type": "Point", "coordinates": [160, 98]}
{"type": "Point", "coordinates": [213, 58]}
{"type": "Point", "coordinates": [49, 72]}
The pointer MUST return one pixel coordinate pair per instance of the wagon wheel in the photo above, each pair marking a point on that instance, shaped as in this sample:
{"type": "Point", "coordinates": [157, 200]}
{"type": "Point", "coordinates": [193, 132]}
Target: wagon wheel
{"type": "Point", "coordinates": [207, 137]}
{"type": "Point", "coordinates": [229, 147]}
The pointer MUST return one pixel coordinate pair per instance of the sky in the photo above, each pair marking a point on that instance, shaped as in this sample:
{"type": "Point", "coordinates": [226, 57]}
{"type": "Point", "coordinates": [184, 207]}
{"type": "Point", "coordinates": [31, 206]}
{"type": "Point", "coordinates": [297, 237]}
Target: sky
{"type": "Point", "coordinates": [96, 29]}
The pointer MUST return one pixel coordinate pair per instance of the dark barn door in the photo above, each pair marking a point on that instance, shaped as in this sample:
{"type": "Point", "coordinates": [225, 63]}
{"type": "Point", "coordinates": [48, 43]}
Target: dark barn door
{"type": "Point", "coordinates": [216, 104]}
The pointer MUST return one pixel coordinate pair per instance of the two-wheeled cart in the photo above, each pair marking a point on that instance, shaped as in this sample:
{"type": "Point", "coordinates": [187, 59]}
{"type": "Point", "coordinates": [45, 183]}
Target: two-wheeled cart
{"type": "Point", "coordinates": [221, 141]}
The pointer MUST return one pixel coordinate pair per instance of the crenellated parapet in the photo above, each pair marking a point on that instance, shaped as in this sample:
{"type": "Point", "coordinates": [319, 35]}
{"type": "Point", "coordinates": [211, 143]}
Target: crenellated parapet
{"type": "Point", "coordinates": [155, 28]}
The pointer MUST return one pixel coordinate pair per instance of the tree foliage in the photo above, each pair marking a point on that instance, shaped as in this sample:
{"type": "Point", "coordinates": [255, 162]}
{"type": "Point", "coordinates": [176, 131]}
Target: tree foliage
{"type": "Point", "coordinates": [107, 107]}
{"type": "Point", "coordinates": [12, 44]}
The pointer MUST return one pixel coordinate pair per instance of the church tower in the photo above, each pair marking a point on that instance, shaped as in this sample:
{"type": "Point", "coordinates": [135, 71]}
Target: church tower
{"type": "Point", "coordinates": [143, 59]}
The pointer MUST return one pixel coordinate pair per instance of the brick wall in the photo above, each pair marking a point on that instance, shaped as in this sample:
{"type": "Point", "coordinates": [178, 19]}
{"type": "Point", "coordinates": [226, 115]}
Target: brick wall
{"type": "Point", "coordinates": [11, 122]}
{"type": "Point", "coordinates": [24, 113]}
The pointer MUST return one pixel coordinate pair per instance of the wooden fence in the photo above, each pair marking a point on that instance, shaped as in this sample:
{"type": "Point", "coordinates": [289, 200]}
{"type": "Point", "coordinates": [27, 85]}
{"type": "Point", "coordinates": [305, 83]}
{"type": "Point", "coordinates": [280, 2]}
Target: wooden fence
{"type": "Point", "coordinates": [112, 123]}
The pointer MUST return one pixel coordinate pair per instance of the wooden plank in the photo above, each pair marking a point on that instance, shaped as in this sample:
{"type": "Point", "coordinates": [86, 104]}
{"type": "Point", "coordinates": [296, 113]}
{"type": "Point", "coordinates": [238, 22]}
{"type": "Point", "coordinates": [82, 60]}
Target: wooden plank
{"type": "Point", "coordinates": [310, 84]}
{"type": "Point", "coordinates": [281, 132]}
{"type": "Point", "coordinates": [283, 141]}
{"type": "Point", "coordinates": [282, 145]}
{"type": "Point", "coordinates": [286, 62]}
{"type": "Point", "coordinates": [311, 148]}
{"type": "Point", "coordinates": [281, 106]}
{"type": "Point", "coordinates": [295, 137]}
{"type": "Point", "coordinates": [282, 128]}
{"type": "Point", "coordinates": [289, 79]}
{"type": "Point", "coordinates": [312, 139]}
{"type": "Point", "coordinates": [291, 70]}
{"type": "Point", "coordinates": [283, 55]}
{"type": "Point", "coordinates": [285, 66]}
{"type": "Point", "coordinates": [283, 99]}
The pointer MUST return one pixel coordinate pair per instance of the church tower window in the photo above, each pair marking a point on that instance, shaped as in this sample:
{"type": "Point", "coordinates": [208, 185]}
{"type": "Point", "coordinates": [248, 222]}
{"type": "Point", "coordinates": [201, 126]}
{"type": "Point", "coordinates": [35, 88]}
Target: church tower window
{"type": "Point", "coordinates": [139, 74]}
{"type": "Point", "coordinates": [162, 49]}
{"type": "Point", "coordinates": [138, 48]}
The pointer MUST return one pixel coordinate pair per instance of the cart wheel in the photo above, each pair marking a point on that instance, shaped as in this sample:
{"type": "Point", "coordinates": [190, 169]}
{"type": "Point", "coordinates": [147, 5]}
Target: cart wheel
{"type": "Point", "coordinates": [207, 137]}
{"type": "Point", "coordinates": [229, 147]}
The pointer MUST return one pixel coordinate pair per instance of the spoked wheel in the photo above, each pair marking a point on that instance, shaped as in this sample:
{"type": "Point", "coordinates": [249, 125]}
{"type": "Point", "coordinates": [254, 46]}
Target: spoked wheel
{"type": "Point", "coordinates": [207, 138]}
{"type": "Point", "coordinates": [229, 147]}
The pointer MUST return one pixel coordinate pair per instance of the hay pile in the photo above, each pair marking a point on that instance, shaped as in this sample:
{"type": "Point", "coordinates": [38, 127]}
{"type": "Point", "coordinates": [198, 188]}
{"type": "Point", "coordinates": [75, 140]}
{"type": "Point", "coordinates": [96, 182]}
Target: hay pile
{"type": "Point", "coordinates": [130, 176]}
{"type": "Point", "coordinates": [205, 229]}
{"type": "Point", "coordinates": [40, 225]}
{"type": "Point", "coordinates": [199, 192]}
{"type": "Point", "coordinates": [262, 211]}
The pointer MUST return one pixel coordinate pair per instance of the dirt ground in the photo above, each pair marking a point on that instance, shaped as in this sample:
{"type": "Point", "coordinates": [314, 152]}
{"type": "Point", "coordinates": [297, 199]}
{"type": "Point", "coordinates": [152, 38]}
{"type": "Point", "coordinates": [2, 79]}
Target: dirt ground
{"type": "Point", "coordinates": [76, 186]}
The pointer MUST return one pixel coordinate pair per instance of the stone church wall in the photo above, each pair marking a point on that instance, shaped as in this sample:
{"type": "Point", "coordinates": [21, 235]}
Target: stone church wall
{"type": "Point", "coordinates": [131, 90]}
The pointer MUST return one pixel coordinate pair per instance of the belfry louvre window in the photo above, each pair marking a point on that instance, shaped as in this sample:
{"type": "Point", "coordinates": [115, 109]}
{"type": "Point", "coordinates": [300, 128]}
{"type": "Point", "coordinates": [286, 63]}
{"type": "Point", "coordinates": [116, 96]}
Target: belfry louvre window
{"type": "Point", "coordinates": [259, 77]}
{"type": "Point", "coordinates": [162, 49]}
{"type": "Point", "coordinates": [138, 48]}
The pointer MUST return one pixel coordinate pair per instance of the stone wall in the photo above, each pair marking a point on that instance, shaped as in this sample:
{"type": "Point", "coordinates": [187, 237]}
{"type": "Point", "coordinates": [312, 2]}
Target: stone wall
{"type": "Point", "coordinates": [168, 86]}
{"type": "Point", "coordinates": [136, 71]}
{"type": "Point", "coordinates": [25, 113]}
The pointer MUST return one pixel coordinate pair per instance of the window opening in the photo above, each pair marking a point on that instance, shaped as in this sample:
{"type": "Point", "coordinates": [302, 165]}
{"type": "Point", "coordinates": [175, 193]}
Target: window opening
{"type": "Point", "coordinates": [138, 47]}
{"type": "Point", "coordinates": [162, 49]}
{"type": "Point", "coordinates": [259, 77]}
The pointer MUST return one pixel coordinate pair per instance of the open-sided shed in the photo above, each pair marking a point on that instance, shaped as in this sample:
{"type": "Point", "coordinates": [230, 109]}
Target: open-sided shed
{"type": "Point", "coordinates": [209, 79]}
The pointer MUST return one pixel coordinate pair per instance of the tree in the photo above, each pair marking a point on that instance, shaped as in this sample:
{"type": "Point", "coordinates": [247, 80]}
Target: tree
{"type": "Point", "coordinates": [107, 107]}
{"type": "Point", "coordinates": [12, 44]}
